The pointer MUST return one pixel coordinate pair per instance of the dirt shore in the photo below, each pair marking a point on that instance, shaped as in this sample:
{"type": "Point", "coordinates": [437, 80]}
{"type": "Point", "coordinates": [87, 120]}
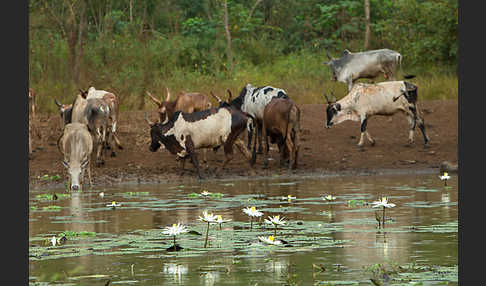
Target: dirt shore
{"type": "Point", "coordinates": [323, 151]}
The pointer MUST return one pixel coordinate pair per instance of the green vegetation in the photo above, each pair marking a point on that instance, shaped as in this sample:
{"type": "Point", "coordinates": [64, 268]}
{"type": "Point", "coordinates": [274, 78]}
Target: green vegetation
{"type": "Point", "coordinates": [132, 47]}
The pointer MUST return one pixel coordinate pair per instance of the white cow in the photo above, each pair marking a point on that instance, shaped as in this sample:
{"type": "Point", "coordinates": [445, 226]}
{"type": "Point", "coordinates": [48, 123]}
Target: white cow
{"type": "Point", "coordinates": [366, 100]}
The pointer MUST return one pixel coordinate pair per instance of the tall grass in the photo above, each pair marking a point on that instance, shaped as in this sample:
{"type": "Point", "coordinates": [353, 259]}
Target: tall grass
{"type": "Point", "coordinates": [130, 67]}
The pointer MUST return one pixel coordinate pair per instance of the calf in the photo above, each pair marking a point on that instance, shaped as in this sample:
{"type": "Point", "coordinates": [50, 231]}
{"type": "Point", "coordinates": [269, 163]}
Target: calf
{"type": "Point", "coordinates": [76, 147]}
{"type": "Point", "coordinates": [184, 133]}
{"type": "Point", "coordinates": [367, 100]}
{"type": "Point", "coordinates": [185, 102]}
{"type": "Point", "coordinates": [253, 100]}
{"type": "Point", "coordinates": [281, 122]}
{"type": "Point", "coordinates": [350, 67]}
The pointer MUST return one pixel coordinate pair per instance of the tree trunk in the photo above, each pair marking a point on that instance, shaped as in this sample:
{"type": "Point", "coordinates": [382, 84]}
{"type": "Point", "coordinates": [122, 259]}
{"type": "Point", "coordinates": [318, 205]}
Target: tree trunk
{"type": "Point", "coordinates": [367, 18]}
{"type": "Point", "coordinates": [228, 38]}
{"type": "Point", "coordinates": [79, 45]}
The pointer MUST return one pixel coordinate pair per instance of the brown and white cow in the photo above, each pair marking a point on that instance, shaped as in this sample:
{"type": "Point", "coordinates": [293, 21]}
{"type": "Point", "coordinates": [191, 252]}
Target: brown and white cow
{"type": "Point", "coordinates": [385, 98]}
{"type": "Point", "coordinates": [76, 147]}
{"type": "Point", "coordinates": [281, 122]}
{"type": "Point", "coordinates": [184, 133]}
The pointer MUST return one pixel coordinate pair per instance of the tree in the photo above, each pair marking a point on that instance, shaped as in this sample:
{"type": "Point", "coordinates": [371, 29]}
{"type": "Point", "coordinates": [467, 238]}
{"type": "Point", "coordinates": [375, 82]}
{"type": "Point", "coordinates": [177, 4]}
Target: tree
{"type": "Point", "coordinates": [367, 18]}
{"type": "Point", "coordinates": [228, 37]}
{"type": "Point", "coordinates": [72, 27]}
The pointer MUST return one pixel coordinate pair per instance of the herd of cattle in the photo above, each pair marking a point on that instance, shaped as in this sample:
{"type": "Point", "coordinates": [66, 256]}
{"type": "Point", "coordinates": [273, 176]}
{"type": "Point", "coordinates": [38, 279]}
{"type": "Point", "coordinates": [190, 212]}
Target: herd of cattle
{"type": "Point", "coordinates": [190, 123]}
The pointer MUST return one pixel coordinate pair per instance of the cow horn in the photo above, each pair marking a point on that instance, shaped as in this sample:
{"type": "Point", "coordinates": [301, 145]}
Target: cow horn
{"type": "Point", "coordinates": [230, 95]}
{"type": "Point", "coordinates": [155, 100]}
{"type": "Point", "coordinates": [148, 120]}
{"type": "Point", "coordinates": [334, 99]}
{"type": "Point", "coordinates": [217, 98]}
{"type": "Point", "coordinates": [328, 55]}
{"type": "Point", "coordinates": [57, 103]}
{"type": "Point", "coordinates": [168, 94]}
{"type": "Point", "coordinates": [327, 98]}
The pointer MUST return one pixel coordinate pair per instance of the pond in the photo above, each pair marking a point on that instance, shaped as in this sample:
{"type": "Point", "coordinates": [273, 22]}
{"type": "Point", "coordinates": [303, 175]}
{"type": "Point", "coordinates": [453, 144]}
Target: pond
{"type": "Point", "coordinates": [338, 242]}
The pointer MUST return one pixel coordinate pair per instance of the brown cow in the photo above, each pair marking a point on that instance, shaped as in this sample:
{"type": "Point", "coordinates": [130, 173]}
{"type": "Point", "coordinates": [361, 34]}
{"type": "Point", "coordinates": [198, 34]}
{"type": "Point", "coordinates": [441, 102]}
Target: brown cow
{"type": "Point", "coordinates": [281, 122]}
{"type": "Point", "coordinates": [185, 102]}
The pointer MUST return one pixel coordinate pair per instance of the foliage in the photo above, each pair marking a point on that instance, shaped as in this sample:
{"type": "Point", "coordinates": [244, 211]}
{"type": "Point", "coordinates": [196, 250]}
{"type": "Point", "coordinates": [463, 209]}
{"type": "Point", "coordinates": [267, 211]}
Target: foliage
{"type": "Point", "coordinates": [182, 44]}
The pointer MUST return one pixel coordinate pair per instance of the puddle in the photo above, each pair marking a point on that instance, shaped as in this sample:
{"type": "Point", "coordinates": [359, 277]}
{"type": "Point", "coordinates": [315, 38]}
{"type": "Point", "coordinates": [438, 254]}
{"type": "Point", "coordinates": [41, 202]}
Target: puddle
{"type": "Point", "coordinates": [328, 242]}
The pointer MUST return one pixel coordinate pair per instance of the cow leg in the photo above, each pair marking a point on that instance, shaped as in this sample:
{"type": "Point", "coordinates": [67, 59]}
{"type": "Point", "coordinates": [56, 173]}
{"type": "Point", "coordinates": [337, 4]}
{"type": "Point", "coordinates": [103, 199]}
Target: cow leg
{"type": "Point", "coordinates": [250, 157]}
{"type": "Point", "coordinates": [364, 121]}
{"type": "Point", "coordinates": [421, 124]}
{"type": "Point", "coordinates": [192, 154]}
{"type": "Point", "coordinates": [349, 82]}
{"type": "Point", "coordinates": [89, 175]}
{"type": "Point", "coordinates": [205, 158]}
{"type": "Point", "coordinates": [228, 153]}
{"type": "Point", "coordinates": [292, 143]}
{"type": "Point", "coordinates": [267, 147]}
{"type": "Point", "coordinates": [259, 136]}
{"type": "Point", "coordinates": [250, 135]}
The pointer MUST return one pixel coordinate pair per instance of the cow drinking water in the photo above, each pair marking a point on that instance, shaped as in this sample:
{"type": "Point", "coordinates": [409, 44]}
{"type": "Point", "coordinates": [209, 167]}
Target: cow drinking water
{"type": "Point", "coordinates": [76, 147]}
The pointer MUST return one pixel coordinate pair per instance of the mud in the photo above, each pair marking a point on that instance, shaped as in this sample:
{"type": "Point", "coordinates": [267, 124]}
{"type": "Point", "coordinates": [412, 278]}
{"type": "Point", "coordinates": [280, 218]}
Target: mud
{"type": "Point", "coordinates": [323, 152]}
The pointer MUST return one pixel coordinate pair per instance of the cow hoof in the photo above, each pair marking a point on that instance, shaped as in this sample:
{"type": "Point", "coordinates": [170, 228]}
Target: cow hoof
{"type": "Point", "coordinates": [373, 142]}
{"type": "Point", "coordinates": [113, 154]}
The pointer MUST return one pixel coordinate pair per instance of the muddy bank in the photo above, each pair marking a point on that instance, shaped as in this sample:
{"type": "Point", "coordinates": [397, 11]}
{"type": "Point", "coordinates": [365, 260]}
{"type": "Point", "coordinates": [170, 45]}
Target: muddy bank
{"type": "Point", "coordinates": [323, 152]}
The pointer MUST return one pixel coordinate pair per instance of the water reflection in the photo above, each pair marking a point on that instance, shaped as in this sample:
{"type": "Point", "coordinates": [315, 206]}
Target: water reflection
{"type": "Point", "coordinates": [364, 244]}
{"type": "Point", "coordinates": [174, 272]}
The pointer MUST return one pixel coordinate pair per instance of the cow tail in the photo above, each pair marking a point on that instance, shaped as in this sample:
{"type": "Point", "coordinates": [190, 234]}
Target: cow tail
{"type": "Point", "coordinates": [253, 153]}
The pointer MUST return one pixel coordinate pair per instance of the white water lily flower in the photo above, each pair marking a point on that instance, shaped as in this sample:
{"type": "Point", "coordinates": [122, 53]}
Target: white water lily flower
{"type": "Point", "coordinates": [445, 176]}
{"type": "Point", "coordinates": [204, 193]}
{"type": "Point", "coordinates": [220, 219]}
{"type": "Point", "coordinates": [288, 197]}
{"type": "Point", "coordinates": [102, 194]}
{"type": "Point", "coordinates": [383, 203]}
{"type": "Point", "coordinates": [329, 198]}
{"type": "Point", "coordinates": [270, 240]}
{"type": "Point", "coordinates": [207, 217]}
{"type": "Point", "coordinates": [276, 220]}
{"type": "Point", "coordinates": [175, 229]}
{"type": "Point", "coordinates": [54, 241]}
{"type": "Point", "coordinates": [252, 211]}
{"type": "Point", "coordinates": [113, 204]}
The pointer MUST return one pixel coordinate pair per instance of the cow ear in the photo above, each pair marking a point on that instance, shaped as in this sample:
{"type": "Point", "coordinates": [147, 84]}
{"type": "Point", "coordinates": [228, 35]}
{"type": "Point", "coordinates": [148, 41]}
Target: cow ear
{"type": "Point", "coordinates": [85, 162]}
{"type": "Point", "coordinates": [345, 52]}
{"type": "Point", "coordinates": [65, 164]}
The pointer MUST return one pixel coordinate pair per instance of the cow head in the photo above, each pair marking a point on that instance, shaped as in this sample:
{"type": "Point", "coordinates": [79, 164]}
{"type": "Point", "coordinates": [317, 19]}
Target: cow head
{"type": "Point", "coordinates": [75, 171]}
{"type": "Point", "coordinates": [332, 110]}
{"type": "Point", "coordinates": [164, 108]}
{"type": "Point", "coordinates": [154, 135]}
{"type": "Point", "coordinates": [65, 111]}
{"type": "Point", "coordinates": [336, 65]}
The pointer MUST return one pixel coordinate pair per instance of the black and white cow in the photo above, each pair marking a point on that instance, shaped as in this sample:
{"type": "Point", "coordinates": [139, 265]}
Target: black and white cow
{"type": "Point", "coordinates": [350, 67]}
{"type": "Point", "coordinates": [252, 100]}
{"type": "Point", "coordinates": [367, 100]}
{"type": "Point", "coordinates": [184, 133]}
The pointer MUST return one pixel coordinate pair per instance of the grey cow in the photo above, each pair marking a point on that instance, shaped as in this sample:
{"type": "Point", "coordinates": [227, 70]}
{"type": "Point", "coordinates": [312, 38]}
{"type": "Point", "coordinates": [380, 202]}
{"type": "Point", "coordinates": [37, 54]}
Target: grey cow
{"type": "Point", "coordinates": [76, 147]}
{"type": "Point", "coordinates": [350, 67]}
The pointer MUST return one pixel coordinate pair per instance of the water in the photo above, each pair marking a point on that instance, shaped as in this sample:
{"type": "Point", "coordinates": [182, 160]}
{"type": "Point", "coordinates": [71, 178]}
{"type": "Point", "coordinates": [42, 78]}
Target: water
{"type": "Point", "coordinates": [128, 247]}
